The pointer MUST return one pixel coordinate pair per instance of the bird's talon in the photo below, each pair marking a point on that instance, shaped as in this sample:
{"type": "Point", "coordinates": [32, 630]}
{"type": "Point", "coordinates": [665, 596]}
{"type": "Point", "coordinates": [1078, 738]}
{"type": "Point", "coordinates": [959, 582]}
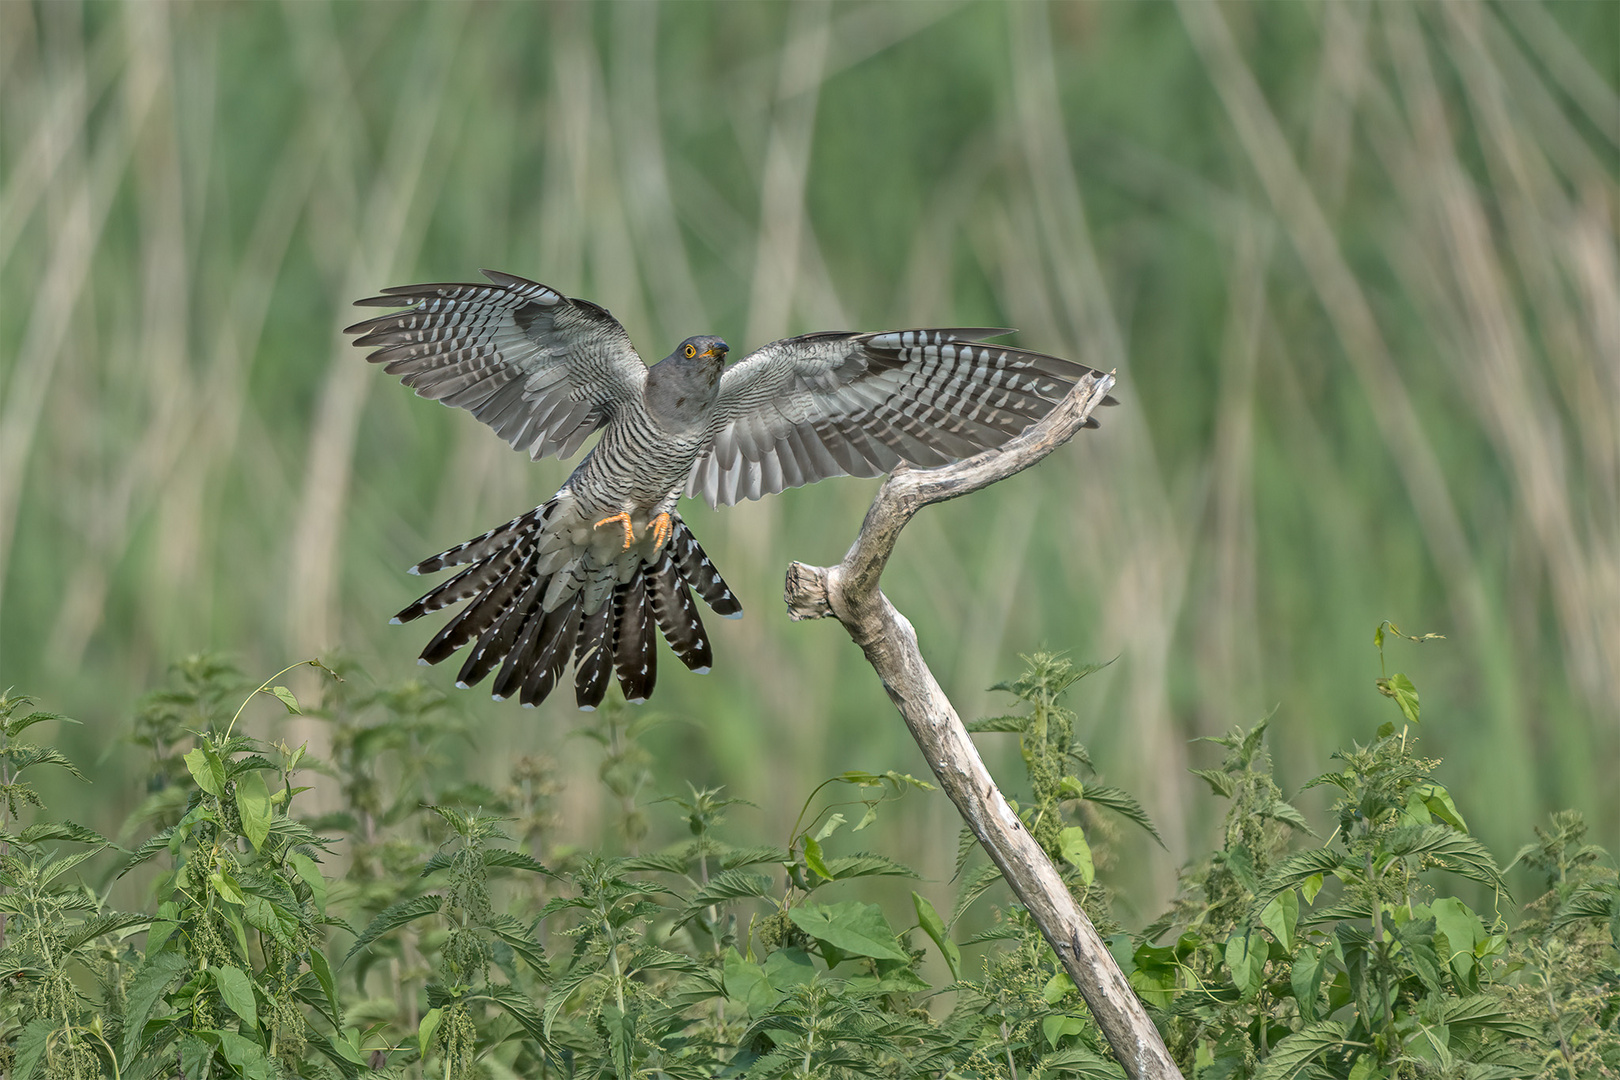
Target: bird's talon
{"type": "Point", "coordinates": [624, 520]}
{"type": "Point", "coordinates": [662, 526]}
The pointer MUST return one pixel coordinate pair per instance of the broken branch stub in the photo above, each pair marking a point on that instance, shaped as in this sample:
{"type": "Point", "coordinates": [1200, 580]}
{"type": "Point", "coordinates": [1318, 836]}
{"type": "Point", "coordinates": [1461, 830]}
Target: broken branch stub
{"type": "Point", "coordinates": [849, 593]}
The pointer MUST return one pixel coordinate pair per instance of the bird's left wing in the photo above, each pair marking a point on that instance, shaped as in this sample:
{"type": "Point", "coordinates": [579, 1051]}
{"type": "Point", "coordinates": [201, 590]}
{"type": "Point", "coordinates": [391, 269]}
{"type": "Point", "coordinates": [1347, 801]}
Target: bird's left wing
{"type": "Point", "coordinates": [830, 404]}
{"type": "Point", "coordinates": [542, 369]}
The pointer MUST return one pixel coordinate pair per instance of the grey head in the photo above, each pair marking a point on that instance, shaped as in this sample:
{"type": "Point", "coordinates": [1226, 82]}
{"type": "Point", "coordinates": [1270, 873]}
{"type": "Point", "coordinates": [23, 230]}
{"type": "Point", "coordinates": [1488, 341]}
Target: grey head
{"type": "Point", "coordinates": [681, 387]}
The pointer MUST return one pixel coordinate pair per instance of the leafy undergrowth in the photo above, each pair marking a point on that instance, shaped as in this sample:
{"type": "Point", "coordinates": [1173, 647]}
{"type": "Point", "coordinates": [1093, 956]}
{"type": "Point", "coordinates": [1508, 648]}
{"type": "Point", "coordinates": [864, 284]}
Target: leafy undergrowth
{"type": "Point", "coordinates": [415, 931]}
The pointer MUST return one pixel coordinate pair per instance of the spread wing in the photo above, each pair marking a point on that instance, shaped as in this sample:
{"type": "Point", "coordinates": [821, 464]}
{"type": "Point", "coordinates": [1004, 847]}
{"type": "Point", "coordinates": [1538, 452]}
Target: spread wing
{"type": "Point", "coordinates": [540, 368]}
{"type": "Point", "coordinates": [830, 404]}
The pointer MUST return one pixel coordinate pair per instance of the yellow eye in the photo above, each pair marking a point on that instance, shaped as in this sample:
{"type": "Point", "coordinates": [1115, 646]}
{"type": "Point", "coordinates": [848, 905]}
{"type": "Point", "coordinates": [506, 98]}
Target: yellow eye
{"type": "Point", "coordinates": [691, 351]}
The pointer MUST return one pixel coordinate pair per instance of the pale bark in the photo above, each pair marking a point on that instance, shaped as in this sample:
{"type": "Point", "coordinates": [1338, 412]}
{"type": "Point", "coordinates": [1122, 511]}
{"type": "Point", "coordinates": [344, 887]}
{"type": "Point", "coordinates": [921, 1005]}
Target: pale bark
{"type": "Point", "coordinates": [849, 593]}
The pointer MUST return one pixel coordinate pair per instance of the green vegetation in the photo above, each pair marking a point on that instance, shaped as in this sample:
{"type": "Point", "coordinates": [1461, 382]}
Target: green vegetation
{"type": "Point", "coordinates": [427, 926]}
{"type": "Point", "coordinates": [1355, 263]}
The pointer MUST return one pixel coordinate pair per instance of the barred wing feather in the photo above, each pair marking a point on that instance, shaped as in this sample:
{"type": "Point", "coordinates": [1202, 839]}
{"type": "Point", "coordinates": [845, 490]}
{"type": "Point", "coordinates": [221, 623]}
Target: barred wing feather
{"type": "Point", "coordinates": [543, 370]}
{"type": "Point", "coordinates": [835, 403]}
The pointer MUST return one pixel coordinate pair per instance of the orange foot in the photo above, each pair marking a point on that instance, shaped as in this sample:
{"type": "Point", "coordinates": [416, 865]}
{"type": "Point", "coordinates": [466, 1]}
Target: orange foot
{"type": "Point", "coordinates": [661, 526]}
{"type": "Point", "coordinates": [623, 519]}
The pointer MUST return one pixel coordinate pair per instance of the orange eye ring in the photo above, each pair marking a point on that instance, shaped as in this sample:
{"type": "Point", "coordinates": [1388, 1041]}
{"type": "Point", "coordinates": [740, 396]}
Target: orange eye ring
{"type": "Point", "coordinates": [691, 351]}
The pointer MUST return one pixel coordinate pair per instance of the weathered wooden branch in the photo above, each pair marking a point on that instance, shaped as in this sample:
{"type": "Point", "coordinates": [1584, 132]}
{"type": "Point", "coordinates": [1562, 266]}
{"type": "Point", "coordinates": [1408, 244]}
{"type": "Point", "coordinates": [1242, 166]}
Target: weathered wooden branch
{"type": "Point", "coordinates": [849, 593]}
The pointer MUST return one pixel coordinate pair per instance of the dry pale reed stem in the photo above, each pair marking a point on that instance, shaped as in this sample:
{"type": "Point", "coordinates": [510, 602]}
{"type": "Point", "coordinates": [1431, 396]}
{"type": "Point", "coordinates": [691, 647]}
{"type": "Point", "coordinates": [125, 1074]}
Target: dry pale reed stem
{"type": "Point", "coordinates": [849, 593]}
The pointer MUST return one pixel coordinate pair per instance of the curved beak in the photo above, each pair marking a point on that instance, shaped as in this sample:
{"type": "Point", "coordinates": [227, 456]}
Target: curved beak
{"type": "Point", "coordinates": [718, 350]}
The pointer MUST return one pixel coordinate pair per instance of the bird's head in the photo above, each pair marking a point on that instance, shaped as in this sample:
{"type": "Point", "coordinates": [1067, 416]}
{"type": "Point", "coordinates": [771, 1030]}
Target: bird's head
{"type": "Point", "coordinates": [705, 347]}
{"type": "Point", "coordinates": [682, 386]}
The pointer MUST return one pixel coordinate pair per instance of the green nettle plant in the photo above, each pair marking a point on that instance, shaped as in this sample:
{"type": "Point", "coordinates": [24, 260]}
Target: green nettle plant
{"type": "Point", "coordinates": [428, 926]}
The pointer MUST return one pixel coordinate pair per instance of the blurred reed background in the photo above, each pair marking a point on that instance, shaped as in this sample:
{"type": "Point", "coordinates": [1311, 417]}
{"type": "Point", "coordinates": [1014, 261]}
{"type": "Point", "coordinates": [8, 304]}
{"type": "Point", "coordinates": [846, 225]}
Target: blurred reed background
{"type": "Point", "coordinates": [1356, 265]}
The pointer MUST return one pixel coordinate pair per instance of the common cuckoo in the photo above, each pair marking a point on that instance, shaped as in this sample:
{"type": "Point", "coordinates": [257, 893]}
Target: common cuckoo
{"type": "Point", "coordinates": [583, 578]}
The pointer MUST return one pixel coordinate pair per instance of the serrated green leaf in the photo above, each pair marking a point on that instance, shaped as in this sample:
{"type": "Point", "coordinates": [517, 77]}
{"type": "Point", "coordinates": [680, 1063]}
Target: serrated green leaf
{"type": "Point", "coordinates": [392, 918]}
{"type": "Point", "coordinates": [999, 724]}
{"type": "Point", "coordinates": [521, 1009]}
{"type": "Point", "coordinates": [29, 1048]}
{"type": "Point", "coordinates": [665, 863]}
{"type": "Point", "coordinates": [26, 757]}
{"type": "Point", "coordinates": [1592, 902]}
{"type": "Point", "coordinates": [732, 884]}
{"type": "Point", "coordinates": [973, 888]}
{"type": "Point", "coordinates": [965, 842]}
{"type": "Point", "coordinates": [751, 856]}
{"type": "Point", "coordinates": [46, 831]}
{"type": "Point", "coordinates": [1290, 1057]}
{"type": "Point", "coordinates": [1288, 814]}
{"type": "Point", "coordinates": [57, 867]}
{"type": "Point", "coordinates": [1293, 872]}
{"type": "Point", "coordinates": [866, 864]}
{"type": "Point", "coordinates": [1220, 781]}
{"type": "Point", "coordinates": [1081, 1062]}
{"type": "Point", "coordinates": [517, 936]}
{"type": "Point", "coordinates": [1485, 1011]}
{"type": "Point", "coordinates": [1121, 802]}
{"type": "Point", "coordinates": [16, 727]}
{"type": "Point", "coordinates": [101, 925]}
{"type": "Point", "coordinates": [1458, 852]}
{"type": "Point", "coordinates": [506, 859]}
{"type": "Point", "coordinates": [145, 989]}
{"type": "Point", "coordinates": [578, 975]}
{"type": "Point", "coordinates": [1240, 861]}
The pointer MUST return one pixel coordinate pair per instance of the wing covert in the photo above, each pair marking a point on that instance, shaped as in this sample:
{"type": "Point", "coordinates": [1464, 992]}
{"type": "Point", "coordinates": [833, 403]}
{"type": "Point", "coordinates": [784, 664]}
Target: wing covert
{"type": "Point", "coordinates": [835, 403]}
{"type": "Point", "coordinates": [542, 369]}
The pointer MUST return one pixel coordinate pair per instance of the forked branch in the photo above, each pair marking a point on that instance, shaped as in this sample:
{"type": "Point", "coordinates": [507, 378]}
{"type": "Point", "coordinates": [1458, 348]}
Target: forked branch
{"type": "Point", "coordinates": [849, 593]}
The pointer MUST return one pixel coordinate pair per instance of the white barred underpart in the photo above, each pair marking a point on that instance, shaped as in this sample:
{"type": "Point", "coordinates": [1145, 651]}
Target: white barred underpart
{"type": "Point", "coordinates": [543, 591]}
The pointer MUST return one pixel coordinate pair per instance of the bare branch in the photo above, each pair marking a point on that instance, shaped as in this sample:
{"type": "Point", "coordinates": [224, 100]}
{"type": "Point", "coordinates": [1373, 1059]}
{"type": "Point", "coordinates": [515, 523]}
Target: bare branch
{"type": "Point", "coordinates": [849, 593]}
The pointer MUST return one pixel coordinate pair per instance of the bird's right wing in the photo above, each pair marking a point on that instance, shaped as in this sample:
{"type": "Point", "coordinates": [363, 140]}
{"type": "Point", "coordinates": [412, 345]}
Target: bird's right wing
{"type": "Point", "coordinates": [540, 368]}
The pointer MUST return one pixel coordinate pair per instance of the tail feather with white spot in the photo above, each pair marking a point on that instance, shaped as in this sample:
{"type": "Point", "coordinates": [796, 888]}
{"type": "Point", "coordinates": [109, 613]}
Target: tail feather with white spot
{"type": "Point", "coordinates": [536, 603]}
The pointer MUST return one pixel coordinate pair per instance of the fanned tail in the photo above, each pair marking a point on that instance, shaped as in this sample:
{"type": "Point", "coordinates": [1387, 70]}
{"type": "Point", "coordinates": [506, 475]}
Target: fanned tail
{"type": "Point", "coordinates": [535, 604]}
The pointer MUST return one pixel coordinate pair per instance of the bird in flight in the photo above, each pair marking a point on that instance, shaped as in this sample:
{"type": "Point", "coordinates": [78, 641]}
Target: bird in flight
{"type": "Point", "coordinates": [585, 577]}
